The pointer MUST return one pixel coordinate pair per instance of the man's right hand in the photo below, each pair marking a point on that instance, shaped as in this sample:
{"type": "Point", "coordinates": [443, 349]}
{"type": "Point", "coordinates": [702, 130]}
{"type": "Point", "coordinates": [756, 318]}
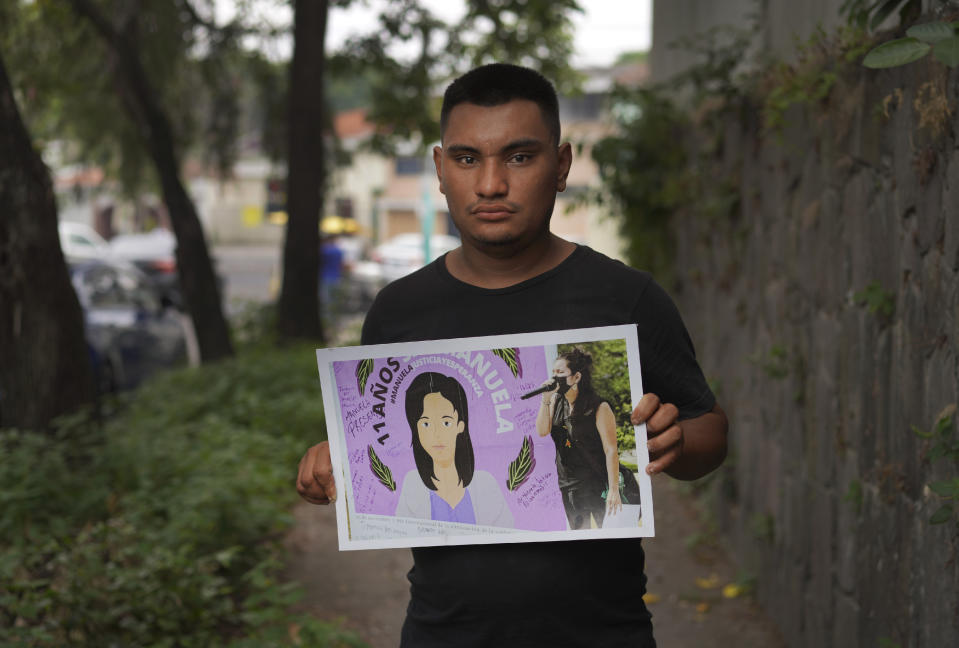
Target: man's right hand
{"type": "Point", "coordinates": [314, 482]}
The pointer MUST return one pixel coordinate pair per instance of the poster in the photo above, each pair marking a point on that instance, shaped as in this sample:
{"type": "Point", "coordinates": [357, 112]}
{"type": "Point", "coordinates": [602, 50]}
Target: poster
{"type": "Point", "coordinates": [487, 440]}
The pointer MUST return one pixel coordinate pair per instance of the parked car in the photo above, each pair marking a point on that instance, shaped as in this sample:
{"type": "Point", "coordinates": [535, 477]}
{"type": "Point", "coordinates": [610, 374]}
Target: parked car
{"type": "Point", "coordinates": [132, 331]}
{"type": "Point", "coordinates": [154, 254]}
{"type": "Point", "coordinates": [80, 241]}
{"type": "Point", "coordinates": [403, 253]}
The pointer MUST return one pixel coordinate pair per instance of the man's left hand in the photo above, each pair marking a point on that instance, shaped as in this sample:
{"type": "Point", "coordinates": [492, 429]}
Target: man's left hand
{"type": "Point", "coordinates": [665, 436]}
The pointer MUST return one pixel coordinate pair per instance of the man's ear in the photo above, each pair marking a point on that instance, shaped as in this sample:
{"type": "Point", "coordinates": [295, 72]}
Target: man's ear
{"type": "Point", "coordinates": [565, 153]}
{"type": "Point", "coordinates": [438, 163]}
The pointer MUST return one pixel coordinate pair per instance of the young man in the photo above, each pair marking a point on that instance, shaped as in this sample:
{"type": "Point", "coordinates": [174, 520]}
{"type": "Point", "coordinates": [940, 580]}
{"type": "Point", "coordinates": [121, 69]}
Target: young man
{"type": "Point", "coordinates": [500, 166]}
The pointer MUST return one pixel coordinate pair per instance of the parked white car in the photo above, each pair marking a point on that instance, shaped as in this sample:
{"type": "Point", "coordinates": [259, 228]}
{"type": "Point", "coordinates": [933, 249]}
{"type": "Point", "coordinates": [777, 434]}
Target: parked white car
{"type": "Point", "coordinates": [81, 242]}
{"type": "Point", "coordinates": [403, 253]}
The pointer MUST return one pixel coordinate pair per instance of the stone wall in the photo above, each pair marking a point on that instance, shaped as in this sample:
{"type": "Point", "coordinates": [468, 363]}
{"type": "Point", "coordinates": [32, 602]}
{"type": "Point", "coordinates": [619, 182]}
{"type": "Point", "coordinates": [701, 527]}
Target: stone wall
{"type": "Point", "coordinates": [824, 497]}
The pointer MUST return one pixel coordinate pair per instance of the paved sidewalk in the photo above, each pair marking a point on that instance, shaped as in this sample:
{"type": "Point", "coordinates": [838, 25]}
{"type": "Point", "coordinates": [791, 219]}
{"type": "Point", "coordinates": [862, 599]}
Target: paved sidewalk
{"type": "Point", "coordinates": [368, 589]}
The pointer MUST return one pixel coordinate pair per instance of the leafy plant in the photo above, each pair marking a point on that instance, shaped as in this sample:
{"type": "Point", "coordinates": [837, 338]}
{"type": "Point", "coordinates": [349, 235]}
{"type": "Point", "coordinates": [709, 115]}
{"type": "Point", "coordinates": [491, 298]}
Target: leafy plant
{"type": "Point", "coordinates": [937, 37]}
{"type": "Point", "coordinates": [380, 469]}
{"type": "Point", "coordinates": [945, 445]}
{"type": "Point", "coordinates": [854, 495]}
{"type": "Point", "coordinates": [643, 172]}
{"type": "Point", "coordinates": [810, 80]}
{"type": "Point", "coordinates": [775, 363]}
{"type": "Point", "coordinates": [878, 300]}
{"type": "Point", "coordinates": [163, 521]}
{"type": "Point", "coordinates": [511, 358]}
{"type": "Point", "coordinates": [522, 466]}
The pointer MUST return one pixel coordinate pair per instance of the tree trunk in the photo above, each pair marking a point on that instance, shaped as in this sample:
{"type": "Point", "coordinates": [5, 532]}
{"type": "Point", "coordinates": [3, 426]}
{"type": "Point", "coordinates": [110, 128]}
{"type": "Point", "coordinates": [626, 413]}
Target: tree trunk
{"type": "Point", "coordinates": [44, 363]}
{"type": "Point", "coordinates": [197, 279]}
{"type": "Point", "coordinates": [298, 311]}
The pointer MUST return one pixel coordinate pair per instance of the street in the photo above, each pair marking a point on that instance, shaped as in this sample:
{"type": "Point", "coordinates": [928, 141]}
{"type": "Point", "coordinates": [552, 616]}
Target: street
{"type": "Point", "coordinates": [247, 271]}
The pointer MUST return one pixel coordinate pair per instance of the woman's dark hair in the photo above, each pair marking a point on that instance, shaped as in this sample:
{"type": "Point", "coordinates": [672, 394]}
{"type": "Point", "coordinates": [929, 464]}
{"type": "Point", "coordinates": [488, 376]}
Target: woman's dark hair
{"type": "Point", "coordinates": [581, 362]}
{"type": "Point", "coordinates": [450, 389]}
{"type": "Point", "coordinates": [499, 83]}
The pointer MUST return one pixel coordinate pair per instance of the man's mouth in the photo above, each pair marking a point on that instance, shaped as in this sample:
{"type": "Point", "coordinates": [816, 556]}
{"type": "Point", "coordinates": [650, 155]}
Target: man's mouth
{"type": "Point", "coordinates": [492, 212]}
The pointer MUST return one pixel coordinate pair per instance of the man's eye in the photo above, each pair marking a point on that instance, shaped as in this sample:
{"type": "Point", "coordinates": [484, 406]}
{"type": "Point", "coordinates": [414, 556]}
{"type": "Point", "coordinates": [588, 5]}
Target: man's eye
{"type": "Point", "coordinates": [446, 424]}
{"type": "Point", "coordinates": [519, 158]}
{"type": "Point", "coordinates": [466, 159]}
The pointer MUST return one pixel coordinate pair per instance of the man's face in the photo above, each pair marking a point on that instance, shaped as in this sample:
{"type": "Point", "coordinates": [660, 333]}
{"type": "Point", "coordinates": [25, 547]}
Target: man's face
{"type": "Point", "coordinates": [500, 172]}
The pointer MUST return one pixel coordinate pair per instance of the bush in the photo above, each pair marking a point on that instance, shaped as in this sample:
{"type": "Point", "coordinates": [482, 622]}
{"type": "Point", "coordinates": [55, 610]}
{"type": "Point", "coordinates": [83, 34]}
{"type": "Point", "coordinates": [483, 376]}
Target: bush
{"type": "Point", "coordinates": [160, 526]}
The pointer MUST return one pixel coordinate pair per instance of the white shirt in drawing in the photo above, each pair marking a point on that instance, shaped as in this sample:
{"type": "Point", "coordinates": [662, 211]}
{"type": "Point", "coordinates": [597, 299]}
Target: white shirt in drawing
{"type": "Point", "coordinates": [489, 505]}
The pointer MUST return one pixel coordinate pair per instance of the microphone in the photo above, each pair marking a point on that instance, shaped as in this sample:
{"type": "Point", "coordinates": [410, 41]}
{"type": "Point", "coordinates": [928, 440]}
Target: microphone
{"type": "Point", "coordinates": [545, 388]}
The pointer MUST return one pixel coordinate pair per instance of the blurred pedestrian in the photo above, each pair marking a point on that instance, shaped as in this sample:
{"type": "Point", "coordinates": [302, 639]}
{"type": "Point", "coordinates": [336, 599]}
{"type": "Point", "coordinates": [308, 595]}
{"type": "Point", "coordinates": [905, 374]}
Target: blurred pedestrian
{"type": "Point", "coordinates": [331, 277]}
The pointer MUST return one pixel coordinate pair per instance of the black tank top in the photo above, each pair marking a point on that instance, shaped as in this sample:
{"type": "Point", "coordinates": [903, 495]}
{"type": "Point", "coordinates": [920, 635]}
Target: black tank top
{"type": "Point", "coordinates": [579, 449]}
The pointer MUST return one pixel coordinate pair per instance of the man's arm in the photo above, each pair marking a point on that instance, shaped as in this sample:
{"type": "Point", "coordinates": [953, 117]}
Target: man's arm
{"type": "Point", "coordinates": [684, 450]}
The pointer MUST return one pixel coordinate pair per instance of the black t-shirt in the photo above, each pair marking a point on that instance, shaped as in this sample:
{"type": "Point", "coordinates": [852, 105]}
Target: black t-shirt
{"type": "Point", "coordinates": [573, 593]}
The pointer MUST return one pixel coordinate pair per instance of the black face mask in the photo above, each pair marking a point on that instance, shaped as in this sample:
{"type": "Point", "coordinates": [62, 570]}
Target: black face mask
{"type": "Point", "coordinates": [563, 385]}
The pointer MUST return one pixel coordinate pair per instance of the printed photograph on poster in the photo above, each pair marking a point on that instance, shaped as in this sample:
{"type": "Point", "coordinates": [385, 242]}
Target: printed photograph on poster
{"type": "Point", "coordinates": [513, 438]}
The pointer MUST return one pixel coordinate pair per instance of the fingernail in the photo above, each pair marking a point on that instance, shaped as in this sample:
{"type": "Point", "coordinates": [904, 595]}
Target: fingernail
{"type": "Point", "coordinates": [650, 470]}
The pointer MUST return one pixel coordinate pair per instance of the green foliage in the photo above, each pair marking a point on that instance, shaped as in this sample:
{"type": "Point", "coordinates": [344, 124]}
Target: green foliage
{"type": "Point", "coordinates": [643, 174]}
{"type": "Point", "coordinates": [879, 301]}
{"type": "Point", "coordinates": [66, 76]}
{"type": "Point", "coordinates": [853, 495]}
{"type": "Point", "coordinates": [159, 527]}
{"type": "Point", "coordinates": [774, 363]}
{"type": "Point", "coordinates": [944, 445]}
{"type": "Point", "coordinates": [763, 527]}
{"type": "Point", "coordinates": [810, 80]}
{"type": "Point", "coordinates": [611, 381]}
{"type": "Point", "coordinates": [534, 33]}
{"type": "Point", "coordinates": [937, 36]}
{"type": "Point", "coordinates": [638, 56]}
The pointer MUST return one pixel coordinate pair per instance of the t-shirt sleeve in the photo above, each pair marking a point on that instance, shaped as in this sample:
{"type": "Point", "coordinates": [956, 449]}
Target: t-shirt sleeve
{"type": "Point", "coordinates": [667, 356]}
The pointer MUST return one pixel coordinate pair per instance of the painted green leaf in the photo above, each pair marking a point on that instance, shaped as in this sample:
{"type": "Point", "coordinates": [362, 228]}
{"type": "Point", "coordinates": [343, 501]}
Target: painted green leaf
{"type": "Point", "coordinates": [931, 32]}
{"type": "Point", "coordinates": [897, 52]}
{"type": "Point", "coordinates": [363, 370]}
{"type": "Point", "coordinates": [943, 514]}
{"type": "Point", "coordinates": [380, 469]}
{"type": "Point", "coordinates": [511, 358]}
{"type": "Point", "coordinates": [522, 466]}
{"type": "Point", "coordinates": [947, 51]}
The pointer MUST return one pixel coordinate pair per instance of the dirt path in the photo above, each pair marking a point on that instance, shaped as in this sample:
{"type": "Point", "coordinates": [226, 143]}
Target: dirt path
{"type": "Point", "coordinates": [368, 589]}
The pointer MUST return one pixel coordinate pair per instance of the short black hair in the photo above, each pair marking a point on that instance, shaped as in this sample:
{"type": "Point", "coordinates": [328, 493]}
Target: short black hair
{"type": "Point", "coordinates": [450, 389]}
{"type": "Point", "coordinates": [499, 83]}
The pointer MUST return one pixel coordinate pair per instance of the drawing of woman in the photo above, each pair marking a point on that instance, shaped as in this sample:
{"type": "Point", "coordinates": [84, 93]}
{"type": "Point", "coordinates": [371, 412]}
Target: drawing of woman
{"type": "Point", "coordinates": [445, 486]}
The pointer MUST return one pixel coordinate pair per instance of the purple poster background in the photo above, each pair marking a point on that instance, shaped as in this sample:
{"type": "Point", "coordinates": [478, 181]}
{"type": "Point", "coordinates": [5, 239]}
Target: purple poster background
{"type": "Point", "coordinates": [498, 423]}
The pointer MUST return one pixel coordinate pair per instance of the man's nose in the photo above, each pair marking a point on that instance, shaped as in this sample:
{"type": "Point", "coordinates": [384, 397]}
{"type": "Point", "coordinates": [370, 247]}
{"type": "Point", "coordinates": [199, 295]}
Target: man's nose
{"type": "Point", "coordinates": [492, 180]}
